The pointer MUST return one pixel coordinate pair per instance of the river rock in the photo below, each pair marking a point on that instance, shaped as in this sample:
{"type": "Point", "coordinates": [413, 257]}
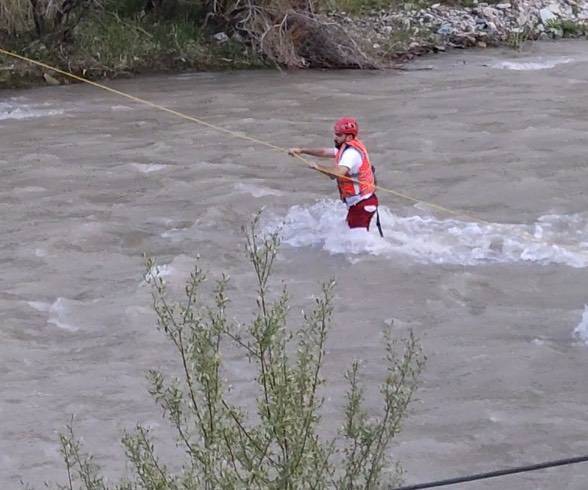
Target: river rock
{"type": "Point", "coordinates": [221, 37]}
{"type": "Point", "coordinates": [547, 15]}
{"type": "Point", "coordinates": [441, 25]}
{"type": "Point", "coordinates": [50, 79]}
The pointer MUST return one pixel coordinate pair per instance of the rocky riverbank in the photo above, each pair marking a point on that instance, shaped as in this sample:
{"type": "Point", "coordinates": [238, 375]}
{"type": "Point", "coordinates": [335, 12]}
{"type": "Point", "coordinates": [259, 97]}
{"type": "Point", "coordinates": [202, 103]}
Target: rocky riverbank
{"type": "Point", "coordinates": [409, 32]}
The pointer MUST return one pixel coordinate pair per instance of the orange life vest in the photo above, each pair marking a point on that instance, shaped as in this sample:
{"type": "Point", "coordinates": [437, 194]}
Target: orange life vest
{"type": "Point", "coordinates": [365, 176]}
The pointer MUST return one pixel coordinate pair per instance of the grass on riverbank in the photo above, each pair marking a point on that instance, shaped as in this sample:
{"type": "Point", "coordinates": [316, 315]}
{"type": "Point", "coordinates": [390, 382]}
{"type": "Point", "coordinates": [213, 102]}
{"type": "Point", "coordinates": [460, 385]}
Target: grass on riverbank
{"type": "Point", "coordinates": [568, 28]}
{"type": "Point", "coordinates": [105, 44]}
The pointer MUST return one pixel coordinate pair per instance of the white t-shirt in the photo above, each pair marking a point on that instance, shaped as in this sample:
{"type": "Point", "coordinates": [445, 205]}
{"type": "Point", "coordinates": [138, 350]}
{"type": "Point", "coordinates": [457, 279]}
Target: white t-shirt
{"type": "Point", "coordinates": [351, 159]}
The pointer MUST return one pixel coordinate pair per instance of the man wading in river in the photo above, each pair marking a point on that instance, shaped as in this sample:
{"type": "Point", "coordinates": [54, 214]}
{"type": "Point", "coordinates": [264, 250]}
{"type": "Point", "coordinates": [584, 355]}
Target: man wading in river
{"type": "Point", "coordinates": [351, 162]}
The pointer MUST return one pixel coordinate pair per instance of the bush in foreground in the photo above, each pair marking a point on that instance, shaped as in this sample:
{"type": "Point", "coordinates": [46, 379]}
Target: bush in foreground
{"type": "Point", "coordinates": [280, 447]}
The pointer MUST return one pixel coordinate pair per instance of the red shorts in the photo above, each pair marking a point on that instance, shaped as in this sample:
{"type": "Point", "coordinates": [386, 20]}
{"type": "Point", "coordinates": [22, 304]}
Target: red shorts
{"type": "Point", "coordinates": [358, 217]}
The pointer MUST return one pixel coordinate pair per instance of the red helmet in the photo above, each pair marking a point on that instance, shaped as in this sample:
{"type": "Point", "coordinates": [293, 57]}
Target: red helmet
{"type": "Point", "coordinates": [347, 125]}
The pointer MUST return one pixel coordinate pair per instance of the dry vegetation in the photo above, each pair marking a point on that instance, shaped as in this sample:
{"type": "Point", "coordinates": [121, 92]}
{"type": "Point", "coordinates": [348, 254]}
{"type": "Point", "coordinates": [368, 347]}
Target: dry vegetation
{"type": "Point", "coordinates": [114, 37]}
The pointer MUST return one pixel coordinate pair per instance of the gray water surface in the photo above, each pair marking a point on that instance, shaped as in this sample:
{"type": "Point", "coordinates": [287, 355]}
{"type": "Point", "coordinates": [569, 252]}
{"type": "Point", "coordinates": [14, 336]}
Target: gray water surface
{"type": "Point", "coordinates": [90, 182]}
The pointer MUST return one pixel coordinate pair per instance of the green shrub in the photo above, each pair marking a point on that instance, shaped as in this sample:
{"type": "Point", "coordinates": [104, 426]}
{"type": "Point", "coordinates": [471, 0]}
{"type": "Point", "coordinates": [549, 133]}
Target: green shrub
{"type": "Point", "coordinates": [280, 447]}
{"type": "Point", "coordinates": [158, 9]}
{"type": "Point", "coordinates": [568, 28]}
{"type": "Point", "coordinates": [516, 38]}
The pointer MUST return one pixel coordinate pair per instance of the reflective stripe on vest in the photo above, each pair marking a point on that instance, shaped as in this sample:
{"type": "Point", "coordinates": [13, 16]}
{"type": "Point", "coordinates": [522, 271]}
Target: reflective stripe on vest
{"type": "Point", "coordinates": [365, 176]}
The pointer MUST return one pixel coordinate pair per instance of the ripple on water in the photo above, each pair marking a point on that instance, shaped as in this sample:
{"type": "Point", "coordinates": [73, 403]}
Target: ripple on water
{"type": "Point", "coordinates": [531, 64]}
{"type": "Point", "coordinates": [59, 312]}
{"type": "Point", "coordinates": [256, 191]}
{"type": "Point", "coordinates": [17, 110]}
{"type": "Point", "coordinates": [147, 168]}
{"type": "Point", "coordinates": [581, 331]}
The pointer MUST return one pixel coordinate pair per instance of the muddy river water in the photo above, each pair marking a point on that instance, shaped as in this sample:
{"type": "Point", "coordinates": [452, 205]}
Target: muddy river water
{"type": "Point", "coordinates": [89, 182]}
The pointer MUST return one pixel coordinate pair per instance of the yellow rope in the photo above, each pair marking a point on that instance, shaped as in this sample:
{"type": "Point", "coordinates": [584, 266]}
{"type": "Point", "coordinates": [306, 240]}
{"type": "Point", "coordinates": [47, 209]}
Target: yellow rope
{"type": "Point", "coordinates": [224, 130]}
{"type": "Point", "coordinates": [257, 141]}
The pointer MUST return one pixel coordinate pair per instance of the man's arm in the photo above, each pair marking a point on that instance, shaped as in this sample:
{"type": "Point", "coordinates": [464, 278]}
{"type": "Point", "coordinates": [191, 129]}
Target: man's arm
{"type": "Point", "coordinates": [332, 171]}
{"type": "Point", "coordinates": [314, 152]}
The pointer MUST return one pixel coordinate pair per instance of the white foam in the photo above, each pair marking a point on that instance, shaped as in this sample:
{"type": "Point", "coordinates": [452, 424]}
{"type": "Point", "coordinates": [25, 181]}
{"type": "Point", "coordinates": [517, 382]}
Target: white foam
{"type": "Point", "coordinates": [538, 64]}
{"type": "Point", "coordinates": [19, 111]}
{"type": "Point", "coordinates": [174, 234]}
{"type": "Point", "coordinates": [39, 306]}
{"type": "Point", "coordinates": [163, 271]}
{"type": "Point", "coordinates": [177, 271]}
{"type": "Point", "coordinates": [147, 168]}
{"type": "Point", "coordinates": [58, 313]}
{"type": "Point", "coordinates": [581, 331]}
{"type": "Point", "coordinates": [553, 239]}
{"type": "Point", "coordinates": [257, 191]}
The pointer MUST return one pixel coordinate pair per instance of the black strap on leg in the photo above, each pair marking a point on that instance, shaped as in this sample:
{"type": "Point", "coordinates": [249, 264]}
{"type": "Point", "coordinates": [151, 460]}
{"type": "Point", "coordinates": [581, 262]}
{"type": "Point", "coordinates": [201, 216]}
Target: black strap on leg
{"type": "Point", "coordinates": [378, 224]}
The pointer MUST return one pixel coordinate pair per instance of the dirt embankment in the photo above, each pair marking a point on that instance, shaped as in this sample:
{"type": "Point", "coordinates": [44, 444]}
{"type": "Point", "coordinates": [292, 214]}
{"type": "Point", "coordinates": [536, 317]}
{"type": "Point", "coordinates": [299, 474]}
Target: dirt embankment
{"type": "Point", "coordinates": [107, 45]}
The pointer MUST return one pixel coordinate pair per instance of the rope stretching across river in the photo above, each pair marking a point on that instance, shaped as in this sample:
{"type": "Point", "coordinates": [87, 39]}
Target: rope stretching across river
{"type": "Point", "coordinates": [280, 149]}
